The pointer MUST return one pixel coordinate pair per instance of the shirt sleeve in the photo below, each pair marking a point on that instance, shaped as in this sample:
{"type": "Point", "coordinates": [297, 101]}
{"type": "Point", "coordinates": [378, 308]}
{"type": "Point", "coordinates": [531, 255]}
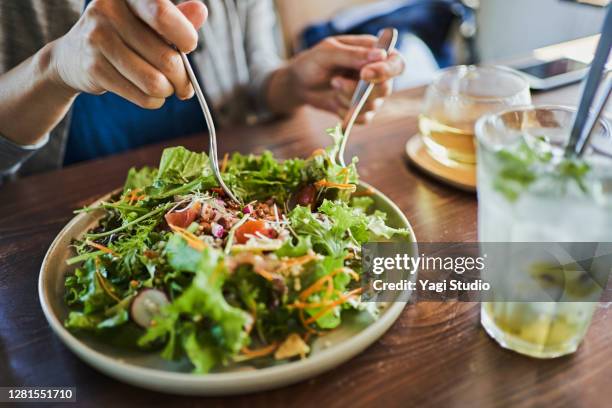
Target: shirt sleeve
{"type": "Point", "coordinates": [12, 155]}
{"type": "Point", "coordinates": [262, 49]}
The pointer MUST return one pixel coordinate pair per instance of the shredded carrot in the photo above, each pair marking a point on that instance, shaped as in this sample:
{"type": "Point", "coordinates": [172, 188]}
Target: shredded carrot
{"type": "Point", "coordinates": [338, 302]}
{"type": "Point", "coordinates": [309, 329]}
{"type": "Point", "coordinates": [262, 352]}
{"type": "Point", "coordinates": [329, 184]}
{"type": "Point", "coordinates": [305, 305]}
{"type": "Point", "coordinates": [224, 163]}
{"type": "Point", "coordinates": [298, 304]}
{"type": "Point", "coordinates": [130, 196]}
{"type": "Point", "coordinates": [319, 283]}
{"type": "Point", "coordinates": [264, 274]}
{"type": "Point", "coordinates": [300, 260]}
{"type": "Point", "coordinates": [101, 247]}
{"type": "Point", "coordinates": [133, 196]}
{"type": "Point", "coordinates": [318, 152]}
{"type": "Point", "coordinates": [314, 287]}
{"type": "Point", "coordinates": [191, 239]}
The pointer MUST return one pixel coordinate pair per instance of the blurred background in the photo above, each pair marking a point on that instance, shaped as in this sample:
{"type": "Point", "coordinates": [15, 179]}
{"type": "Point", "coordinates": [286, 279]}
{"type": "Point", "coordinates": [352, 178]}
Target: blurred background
{"type": "Point", "coordinates": [439, 33]}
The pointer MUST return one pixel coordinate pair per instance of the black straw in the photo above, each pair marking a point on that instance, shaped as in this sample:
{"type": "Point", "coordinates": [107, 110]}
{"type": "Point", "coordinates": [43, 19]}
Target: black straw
{"type": "Point", "coordinates": [591, 85]}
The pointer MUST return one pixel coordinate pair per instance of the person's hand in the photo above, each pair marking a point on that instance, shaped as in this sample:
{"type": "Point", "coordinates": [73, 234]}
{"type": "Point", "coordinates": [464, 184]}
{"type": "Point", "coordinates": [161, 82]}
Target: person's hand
{"type": "Point", "coordinates": [326, 75]}
{"type": "Point", "coordinates": [123, 46]}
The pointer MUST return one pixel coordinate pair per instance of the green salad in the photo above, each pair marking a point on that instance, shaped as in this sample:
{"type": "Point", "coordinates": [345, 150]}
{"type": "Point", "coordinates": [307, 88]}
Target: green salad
{"type": "Point", "coordinates": [176, 267]}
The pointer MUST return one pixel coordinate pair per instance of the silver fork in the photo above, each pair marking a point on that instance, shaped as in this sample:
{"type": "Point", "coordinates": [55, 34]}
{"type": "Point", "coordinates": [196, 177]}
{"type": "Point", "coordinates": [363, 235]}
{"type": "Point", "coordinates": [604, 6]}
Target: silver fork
{"type": "Point", "coordinates": [212, 134]}
{"type": "Point", "coordinates": [387, 38]}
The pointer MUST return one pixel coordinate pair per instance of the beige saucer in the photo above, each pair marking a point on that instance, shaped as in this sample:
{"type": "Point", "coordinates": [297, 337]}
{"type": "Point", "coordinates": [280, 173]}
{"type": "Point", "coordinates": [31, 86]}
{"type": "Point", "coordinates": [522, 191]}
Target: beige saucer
{"type": "Point", "coordinates": [461, 176]}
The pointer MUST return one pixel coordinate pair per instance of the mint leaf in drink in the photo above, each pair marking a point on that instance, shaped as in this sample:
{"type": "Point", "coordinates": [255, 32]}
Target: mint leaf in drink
{"type": "Point", "coordinates": [576, 170]}
{"type": "Point", "coordinates": [522, 165]}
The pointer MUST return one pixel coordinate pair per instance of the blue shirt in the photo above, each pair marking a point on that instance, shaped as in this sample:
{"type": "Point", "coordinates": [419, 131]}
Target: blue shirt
{"type": "Point", "coordinates": [106, 124]}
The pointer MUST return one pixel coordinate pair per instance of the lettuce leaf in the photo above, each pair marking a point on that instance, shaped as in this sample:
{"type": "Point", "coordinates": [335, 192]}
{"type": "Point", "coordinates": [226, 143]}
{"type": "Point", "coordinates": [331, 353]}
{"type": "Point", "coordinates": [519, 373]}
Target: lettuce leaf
{"type": "Point", "coordinates": [301, 247]}
{"type": "Point", "coordinates": [179, 165]}
{"type": "Point", "coordinates": [139, 179]}
{"type": "Point", "coordinates": [379, 229]}
{"type": "Point", "coordinates": [199, 310]}
{"type": "Point", "coordinates": [261, 177]}
{"type": "Point", "coordinates": [180, 172]}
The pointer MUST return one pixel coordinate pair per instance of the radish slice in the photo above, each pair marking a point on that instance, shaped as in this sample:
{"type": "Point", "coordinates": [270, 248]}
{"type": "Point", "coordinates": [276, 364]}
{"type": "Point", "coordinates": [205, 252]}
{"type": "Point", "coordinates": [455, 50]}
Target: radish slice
{"type": "Point", "coordinates": [217, 230]}
{"type": "Point", "coordinates": [146, 305]}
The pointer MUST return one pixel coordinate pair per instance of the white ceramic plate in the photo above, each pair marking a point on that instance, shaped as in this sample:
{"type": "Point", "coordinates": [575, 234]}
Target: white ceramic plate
{"type": "Point", "coordinates": [148, 370]}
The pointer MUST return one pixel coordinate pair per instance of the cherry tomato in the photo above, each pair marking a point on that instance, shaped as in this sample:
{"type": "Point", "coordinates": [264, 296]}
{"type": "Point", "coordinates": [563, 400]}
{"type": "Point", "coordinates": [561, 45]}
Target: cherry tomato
{"type": "Point", "coordinates": [184, 217]}
{"type": "Point", "coordinates": [251, 227]}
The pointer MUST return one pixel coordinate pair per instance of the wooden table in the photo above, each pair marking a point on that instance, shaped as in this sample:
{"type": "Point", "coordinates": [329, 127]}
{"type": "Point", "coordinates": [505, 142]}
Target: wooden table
{"type": "Point", "coordinates": [436, 354]}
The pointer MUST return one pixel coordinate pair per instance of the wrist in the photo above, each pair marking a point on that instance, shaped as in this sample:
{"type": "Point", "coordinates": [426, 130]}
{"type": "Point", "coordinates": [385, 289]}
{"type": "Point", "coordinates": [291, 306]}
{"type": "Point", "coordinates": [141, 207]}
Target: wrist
{"type": "Point", "coordinates": [284, 91]}
{"type": "Point", "coordinates": [46, 66]}
{"type": "Point", "coordinates": [34, 99]}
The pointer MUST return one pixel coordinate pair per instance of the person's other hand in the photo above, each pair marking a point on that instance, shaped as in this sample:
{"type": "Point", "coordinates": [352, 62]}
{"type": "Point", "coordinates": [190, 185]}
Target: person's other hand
{"type": "Point", "coordinates": [123, 46]}
{"type": "Point", "coordinates": [326, 75]}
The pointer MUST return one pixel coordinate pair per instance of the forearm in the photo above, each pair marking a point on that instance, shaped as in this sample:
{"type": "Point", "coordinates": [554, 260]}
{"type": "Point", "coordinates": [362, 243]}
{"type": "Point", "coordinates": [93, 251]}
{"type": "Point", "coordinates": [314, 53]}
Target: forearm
{"type": "Point", "coordinates": [33, 99]}
{"type": "Point", "coordinates": [282, 94]}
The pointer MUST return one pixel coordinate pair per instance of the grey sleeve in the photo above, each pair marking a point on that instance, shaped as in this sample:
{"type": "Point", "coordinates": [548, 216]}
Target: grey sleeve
{"type": "Point", "coordinates": [12, 155]}
{"type": "Point", "coordinates": [25, 27]}
{"type": "Point", "coordinates": [262, 48]}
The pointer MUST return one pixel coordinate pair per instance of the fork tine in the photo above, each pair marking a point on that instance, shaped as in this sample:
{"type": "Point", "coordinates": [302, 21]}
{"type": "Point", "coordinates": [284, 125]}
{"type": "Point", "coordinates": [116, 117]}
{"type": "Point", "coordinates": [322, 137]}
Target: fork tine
{"type": "Point", "coordinates": [212, 134]}
{"type": "Point", "coordinates": [387, 38]}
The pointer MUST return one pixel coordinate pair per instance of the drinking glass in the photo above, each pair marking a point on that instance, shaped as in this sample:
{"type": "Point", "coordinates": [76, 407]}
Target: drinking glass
{"type": "Point", "coordinates": [457, 98]}
{"type": "Point", "coordinates": [530, 192]}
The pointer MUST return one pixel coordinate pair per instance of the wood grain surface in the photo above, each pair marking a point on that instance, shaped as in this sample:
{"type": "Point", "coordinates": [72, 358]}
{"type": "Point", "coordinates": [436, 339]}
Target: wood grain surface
{"type": "Point", "coordinates": [435, 355]}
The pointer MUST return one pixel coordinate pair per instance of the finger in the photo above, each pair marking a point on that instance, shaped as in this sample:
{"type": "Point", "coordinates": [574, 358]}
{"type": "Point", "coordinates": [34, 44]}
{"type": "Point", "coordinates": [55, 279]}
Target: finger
{"type": "Point", "coordinates": [343, 85]}
{"type": "Point", "coordinates": [346, 88]}
{"type": "Point", "coordinates": [195, 11]}
{"type": "Point", "coordinates": [382, 90]}
{"type": "Point", "coordinates": [168, 21]}
{"type": "Point", "coordinates": [343, 101]}
{"type": "Point", "coordinates": [144, 41]}
{"type": "Point", "coordinates": [373, 104]}
{"type": "Point", "coordinates": [138, 71]}
{"type": "Point", "coordinates": [382, 71]}
{"type": "Point", "coordinates": [110, 79]}
{"type": "Point", "coordinates": [363, 118]}
{"type": "Point", "coordinates": [365, 40]}
{"type": "Point", "coordinates": [334, 54]}
{"type": "Point", "coordinates": [325, 100]}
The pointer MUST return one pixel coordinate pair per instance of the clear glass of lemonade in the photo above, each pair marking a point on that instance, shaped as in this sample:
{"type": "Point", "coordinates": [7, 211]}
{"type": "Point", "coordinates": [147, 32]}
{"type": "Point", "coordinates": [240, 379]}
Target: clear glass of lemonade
{"type": "Point", "coordinates": [457, 98]}
{"type": "Point", "coordinates": [529, 192]}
